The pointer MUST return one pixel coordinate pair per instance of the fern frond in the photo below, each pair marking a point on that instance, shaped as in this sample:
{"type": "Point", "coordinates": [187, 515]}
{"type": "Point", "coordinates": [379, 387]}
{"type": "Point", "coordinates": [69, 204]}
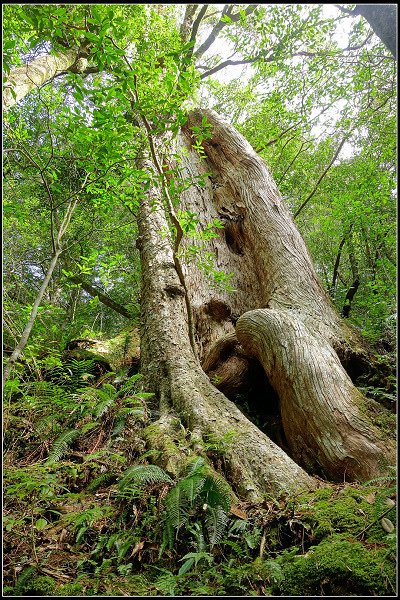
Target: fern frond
{"type": "Point", "coordinates": [102, 480]}
{"type": "Point", "coordinates": [103, 407]}
{"type": "Point", "coordinates": [143, 475]}
{"type": "Point", "coordinates": [62, 443]}
{"type": "Point", "coordinates": [24, 580]}
{"type": "Point", "coordinates": [196, 465]}
{"type": "Point", "coordinates": [47, 425]}
{"type": "Point", "coordinates": [136, 409]}
{"type": "Point", "coordinates": [216, 492]}
{"type": "Point", "coordinates": [130, 385]}
{"type": "Point", "coordinates": [119, 426]}
{"type": "Point", "coordinates": [190, 487]}
{"type": "Point", "coordinates": [216, 522]}
{"type": "Point", "coordinates": [168, 538]}
{"type": "Point", "coordinates": [176, 514]}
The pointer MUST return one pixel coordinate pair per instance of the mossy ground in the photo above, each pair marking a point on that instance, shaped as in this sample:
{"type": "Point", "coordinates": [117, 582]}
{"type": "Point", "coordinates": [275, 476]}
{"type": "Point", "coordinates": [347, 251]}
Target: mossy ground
{"type": "Point", "coordinates": [71, 531]}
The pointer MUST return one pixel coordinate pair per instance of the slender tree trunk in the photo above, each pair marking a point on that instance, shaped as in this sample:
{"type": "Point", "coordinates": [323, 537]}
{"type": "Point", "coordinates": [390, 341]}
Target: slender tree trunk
{"type": "Point", "coordinates": [57, 251]}
{"type": "Point", "coordinates": [28, 328]}
{"type": "Point", "coordinates": [287, 323]}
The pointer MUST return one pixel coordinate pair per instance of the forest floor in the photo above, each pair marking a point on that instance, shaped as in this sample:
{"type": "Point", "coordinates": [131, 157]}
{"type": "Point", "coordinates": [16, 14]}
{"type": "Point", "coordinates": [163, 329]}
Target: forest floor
{"type": "Point", "coordinates": [88, 511]}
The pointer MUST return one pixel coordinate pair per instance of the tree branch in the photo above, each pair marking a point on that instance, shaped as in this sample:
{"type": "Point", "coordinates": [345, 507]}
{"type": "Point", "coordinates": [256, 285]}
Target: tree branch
{"type": "Point", "coordinates": [196, 26]}
{"type": "Point", "coordinates": [226, 11]}
{"type": "Point", "coordinates": [187, 21]}
{"type": "Point", "coordinates": [321, 177]}
{"type": "Point", "coordinates": [94, 291]}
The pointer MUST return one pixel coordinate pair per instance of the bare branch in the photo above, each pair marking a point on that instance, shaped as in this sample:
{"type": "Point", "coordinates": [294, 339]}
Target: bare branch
{"type": "Point", "coordinates": [106, 300]}
{"type": "Point", "coordinates": [196, 25]}
{"type": "Point", "coordinates": [226, 11]}
{"type": "Point", "coordinates": [338, 149]}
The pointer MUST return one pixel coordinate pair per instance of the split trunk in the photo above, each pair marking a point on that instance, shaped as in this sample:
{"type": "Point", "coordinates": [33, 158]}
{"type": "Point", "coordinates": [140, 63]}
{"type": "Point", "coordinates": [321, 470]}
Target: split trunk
{"type": "Point", "coordinates": [270, 356]}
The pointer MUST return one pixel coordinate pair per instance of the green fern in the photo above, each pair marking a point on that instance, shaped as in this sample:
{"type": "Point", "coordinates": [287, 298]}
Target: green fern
{"type": "Point", "coordinates": [107, 396]}
{"type": "Point", "coordinates": [216, 522]}
{"type": "Point", "coordinates": [24, 580]}
{"type": "Point", "coordinates": [130, 385]}
{"type": "Point", "coordinates": [198, 464]}
{"type": "Point", "coordinates": [199, 488]}
{"type": "Point", "coordinates": [191, 487]}
{"type": "Point", "coordinates": [176, 503]}
{"type": "Point", "coordinates": [102, 480]}
{"type": "Point", "coordinates": [118, 427]}
{"type": "Point", "coordinates": [216, 492]}
{"type": "Point", "coordinates": [142, 475]}
{"type": "Point", "coordinates": [47, 425]}
{"type": "Point", "coordinates": [62, 444]}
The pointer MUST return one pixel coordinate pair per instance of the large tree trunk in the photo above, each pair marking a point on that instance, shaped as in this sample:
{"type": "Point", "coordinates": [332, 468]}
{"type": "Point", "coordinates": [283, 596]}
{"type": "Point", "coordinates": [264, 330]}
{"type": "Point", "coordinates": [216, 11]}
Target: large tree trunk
{"type": "Point", "coordinates": [383, 20]}
{"type": "Point", "coordinates": [173, 372]}
{"type": "Point", "coordinates": [286, 322]}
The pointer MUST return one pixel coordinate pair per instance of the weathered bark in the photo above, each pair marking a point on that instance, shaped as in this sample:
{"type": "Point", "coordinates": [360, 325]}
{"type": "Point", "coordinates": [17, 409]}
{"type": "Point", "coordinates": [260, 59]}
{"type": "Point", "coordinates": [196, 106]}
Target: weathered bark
{"type": "Point", "coordinates": [320, 407]}
{"type": "Point", "coordinates": [22, 80]}
{"type": "Point", "coordinates": [171, 371]}
{"type": "Point", "coordinates": [300, 328]}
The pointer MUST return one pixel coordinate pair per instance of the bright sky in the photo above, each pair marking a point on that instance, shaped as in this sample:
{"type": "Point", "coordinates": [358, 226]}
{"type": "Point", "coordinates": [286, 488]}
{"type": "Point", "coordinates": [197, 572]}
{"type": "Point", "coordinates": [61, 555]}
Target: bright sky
{"type": "Point", "coordinates": [244, 72]}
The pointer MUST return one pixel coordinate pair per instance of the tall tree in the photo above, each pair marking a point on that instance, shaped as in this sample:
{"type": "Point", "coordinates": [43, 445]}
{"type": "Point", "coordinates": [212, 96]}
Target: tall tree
{"type": "Point", "coordinates": [207, 199]}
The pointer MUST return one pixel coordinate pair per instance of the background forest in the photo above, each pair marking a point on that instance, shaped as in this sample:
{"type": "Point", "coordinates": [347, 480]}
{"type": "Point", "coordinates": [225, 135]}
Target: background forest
{"type": "Point", "coordinates": [88, 508]}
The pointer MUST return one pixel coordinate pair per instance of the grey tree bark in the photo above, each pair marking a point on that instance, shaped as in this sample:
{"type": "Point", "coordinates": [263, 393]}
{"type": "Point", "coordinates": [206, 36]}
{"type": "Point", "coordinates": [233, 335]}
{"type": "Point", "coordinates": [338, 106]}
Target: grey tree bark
{"type": "Point", "coordinates": [287, 323]}
{"type": "Point", "coordinates": [171, 370]}
{"type": "Point", "coordinates": [22, 80]}
{"type": "Point", "coordinates": [383, 20]}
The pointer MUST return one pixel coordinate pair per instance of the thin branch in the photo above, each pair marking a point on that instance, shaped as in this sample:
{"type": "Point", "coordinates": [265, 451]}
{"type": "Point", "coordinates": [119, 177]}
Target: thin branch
{"type": "Point", "coordinates": [226, 11]}
{"type": "Point", "coordinates": [321, 177]}
{"type": "Point", "coordinates": [306, 144]}
{"type": "Point", "coordinates": [347, 11]}
{"type": "Point", "coordinates": [196, 26]}
{"type": "Point", "coordinates": [274, 140]}
{"type": "Point", "coordinates": [229, 63]}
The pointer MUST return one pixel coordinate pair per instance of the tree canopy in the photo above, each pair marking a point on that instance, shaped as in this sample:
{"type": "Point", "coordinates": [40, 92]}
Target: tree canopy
{"type": "Point", "coordinates": [315, 97]}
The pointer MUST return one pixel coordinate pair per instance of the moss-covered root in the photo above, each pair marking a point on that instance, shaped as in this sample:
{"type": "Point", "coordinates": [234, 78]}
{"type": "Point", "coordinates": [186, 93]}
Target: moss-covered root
{"type": "Point", "coordinates": [163, 437]}
{"type": "Point", "coordinates": [336, 567]}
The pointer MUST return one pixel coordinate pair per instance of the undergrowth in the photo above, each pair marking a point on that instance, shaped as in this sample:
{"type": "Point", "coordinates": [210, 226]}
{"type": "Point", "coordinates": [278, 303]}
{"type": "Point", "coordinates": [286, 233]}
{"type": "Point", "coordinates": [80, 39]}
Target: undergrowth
{"type": "Point", "coordinates": [86, 513]}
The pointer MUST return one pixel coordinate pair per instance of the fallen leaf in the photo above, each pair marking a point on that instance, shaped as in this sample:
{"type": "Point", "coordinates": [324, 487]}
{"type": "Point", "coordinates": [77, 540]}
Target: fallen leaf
{"type": "Point", "coordinates": [137, 548]}
{"type": "Point", "coordinates": [387, 525]}
{"type": "Point", "coordinates": [238, 512]}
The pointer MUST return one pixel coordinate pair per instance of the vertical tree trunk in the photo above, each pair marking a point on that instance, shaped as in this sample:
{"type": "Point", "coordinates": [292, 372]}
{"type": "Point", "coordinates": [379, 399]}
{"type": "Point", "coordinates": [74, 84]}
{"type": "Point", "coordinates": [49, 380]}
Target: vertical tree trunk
{"type": "Point", "coordinates": [28, 328]}
{"type": "Point", "coordinates": [172, 372]}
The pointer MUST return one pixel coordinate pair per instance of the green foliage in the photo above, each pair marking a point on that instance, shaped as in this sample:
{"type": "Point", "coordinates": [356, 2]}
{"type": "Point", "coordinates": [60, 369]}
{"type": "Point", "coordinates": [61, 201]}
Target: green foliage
{"type": "Point", "coordinates": [76, 491]}
{"type": "Point", "coordinates": [143, 475]}
{"type": "Point", "coordinates": [61, 444]}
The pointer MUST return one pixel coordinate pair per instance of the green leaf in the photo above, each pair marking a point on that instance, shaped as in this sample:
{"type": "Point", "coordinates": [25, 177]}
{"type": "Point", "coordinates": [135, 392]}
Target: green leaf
{"type": "Point", "coordinates": [41, 524]}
